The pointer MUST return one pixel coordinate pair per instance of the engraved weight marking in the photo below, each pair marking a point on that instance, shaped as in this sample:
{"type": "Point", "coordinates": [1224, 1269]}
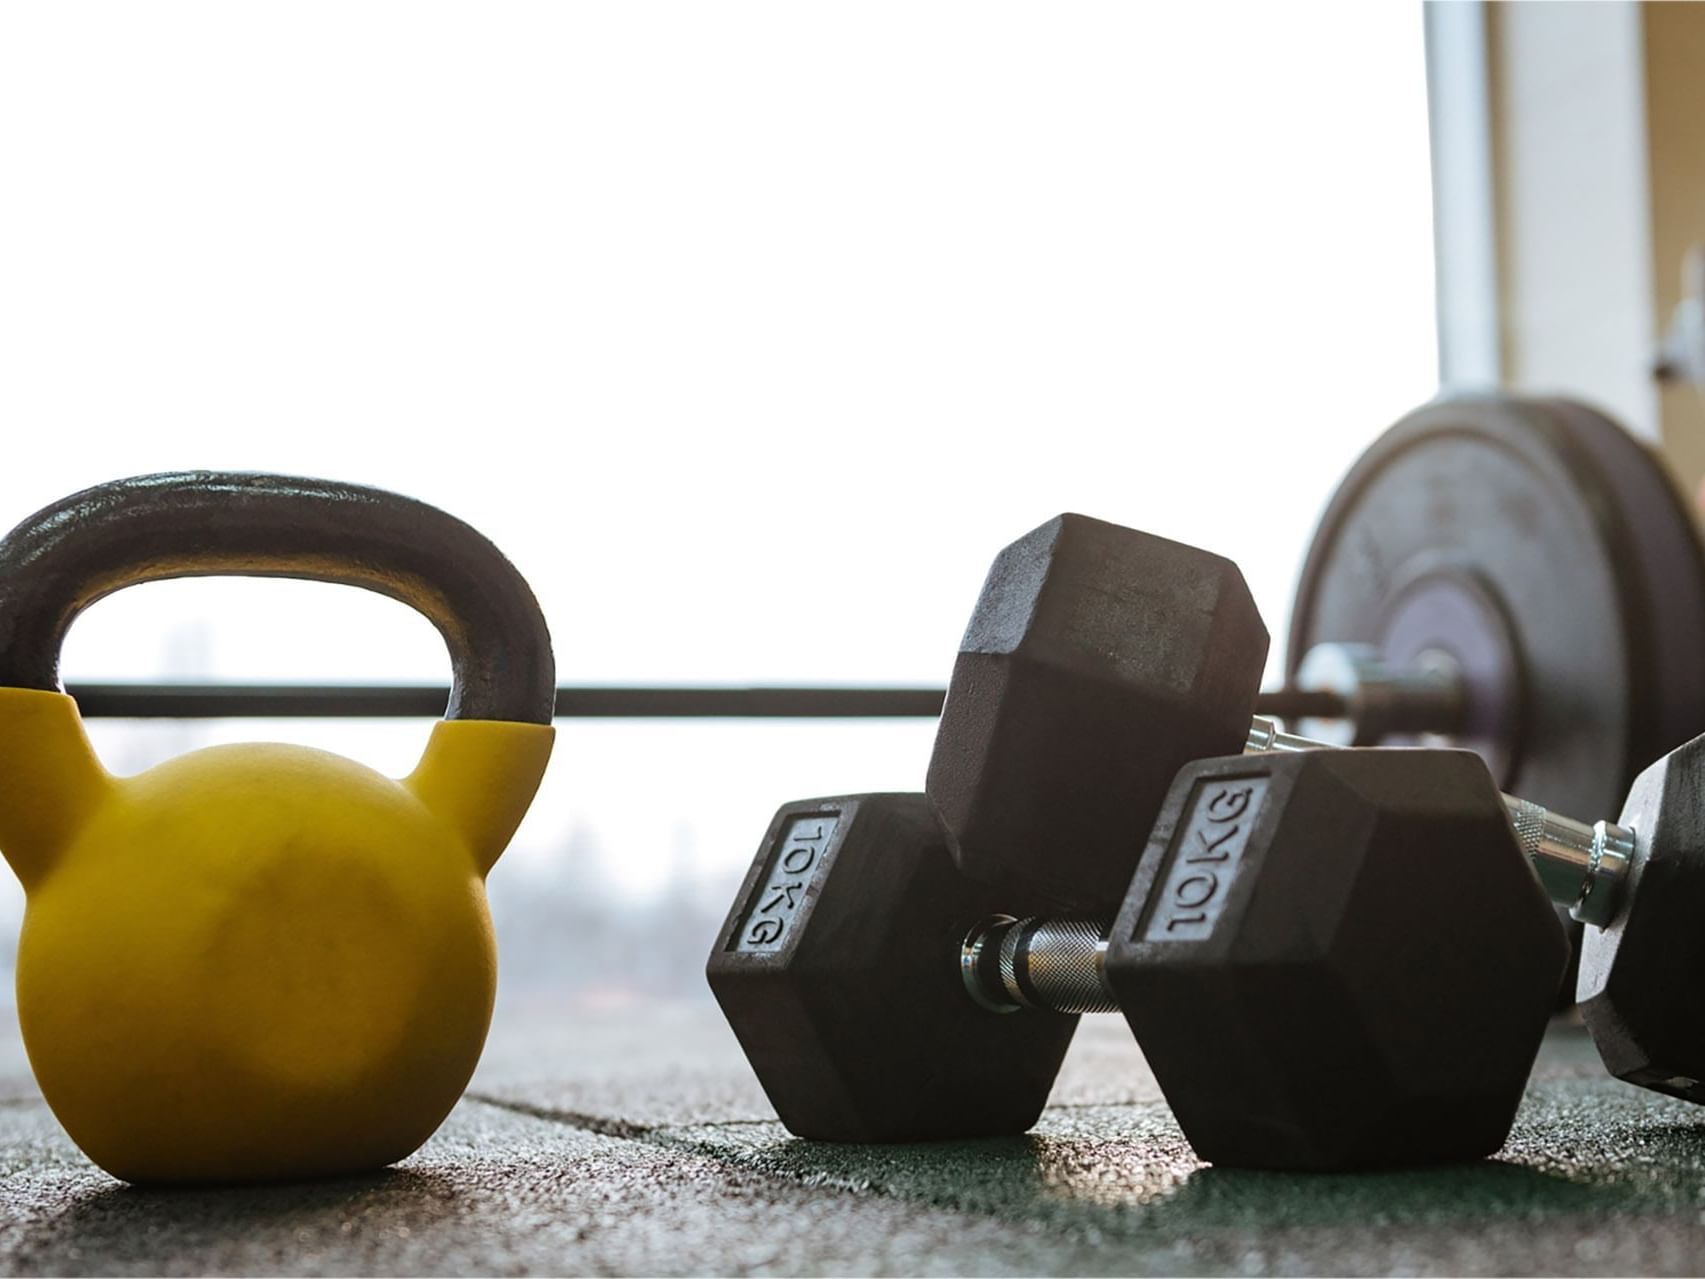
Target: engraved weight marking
{"type": "Point", "coordinates": [778, 903]}
{"type": "Point", "coordinates": [1211, 850]}
{"type": "Point", "coordinates": [796, 861]}
{"type": "Point", "coordinates": [1207, 850]}
{"type": "Point", "coordinates": [1229, 805]}
{"type": "Point", "coordinates": [1197, 890]}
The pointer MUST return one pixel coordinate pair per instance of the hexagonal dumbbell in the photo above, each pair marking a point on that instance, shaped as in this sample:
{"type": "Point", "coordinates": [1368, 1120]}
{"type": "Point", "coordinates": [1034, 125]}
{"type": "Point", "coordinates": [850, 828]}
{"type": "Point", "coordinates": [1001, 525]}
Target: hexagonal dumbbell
{"type": "Point", "coordinates": [1293, 956]}
{"type": "Point", "coordinates": [1163, 631]}
{"type": "Point", "coordinates": [1640, 884]}
{"type": "Point", "coordinates": [836, 969]}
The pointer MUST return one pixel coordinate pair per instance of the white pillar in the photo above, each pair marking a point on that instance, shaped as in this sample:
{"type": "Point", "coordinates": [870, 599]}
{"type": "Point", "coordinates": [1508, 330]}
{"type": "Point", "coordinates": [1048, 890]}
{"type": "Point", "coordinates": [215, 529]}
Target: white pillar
{"type": "Point", "coordinates": [1569, 181]}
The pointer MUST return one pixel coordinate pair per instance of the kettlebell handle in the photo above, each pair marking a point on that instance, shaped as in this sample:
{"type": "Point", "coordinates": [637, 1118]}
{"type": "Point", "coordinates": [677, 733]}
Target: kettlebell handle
{"type": "Point", "coordinates": [234, 523]}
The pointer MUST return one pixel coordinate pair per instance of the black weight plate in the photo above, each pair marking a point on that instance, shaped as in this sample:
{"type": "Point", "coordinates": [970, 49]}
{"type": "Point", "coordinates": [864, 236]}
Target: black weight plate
{"type": "Point", "coordinates": [1553, 557]}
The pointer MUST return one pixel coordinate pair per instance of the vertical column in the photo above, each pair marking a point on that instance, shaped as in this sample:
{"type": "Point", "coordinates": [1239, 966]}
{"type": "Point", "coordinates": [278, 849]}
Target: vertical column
{"type": "Point", "coordinates": [1574, 221]}
{"type": "Point", "coordinates": [1569, 183]}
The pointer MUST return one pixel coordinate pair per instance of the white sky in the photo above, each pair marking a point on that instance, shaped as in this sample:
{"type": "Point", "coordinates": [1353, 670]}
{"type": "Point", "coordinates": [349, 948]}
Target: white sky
{"type": "Point", "coordinates": [749, 331]}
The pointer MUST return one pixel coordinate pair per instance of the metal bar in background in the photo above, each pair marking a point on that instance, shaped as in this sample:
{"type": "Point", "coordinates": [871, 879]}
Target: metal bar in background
{"type": "Point", "coordinates": [391, 701]}
{"type": "Point", "coordinates": [426, 701]}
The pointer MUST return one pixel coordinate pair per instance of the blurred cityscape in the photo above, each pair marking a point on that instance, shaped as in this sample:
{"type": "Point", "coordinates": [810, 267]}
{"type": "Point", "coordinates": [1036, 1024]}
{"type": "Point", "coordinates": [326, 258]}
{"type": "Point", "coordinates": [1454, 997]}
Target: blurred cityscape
{"type": "Point", "coordinates": [564, 928]}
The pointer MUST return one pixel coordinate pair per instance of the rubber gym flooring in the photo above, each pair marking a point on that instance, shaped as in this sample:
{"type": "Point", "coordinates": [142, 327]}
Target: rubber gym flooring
{"type": "Point", "coordinates": [633, 1141]}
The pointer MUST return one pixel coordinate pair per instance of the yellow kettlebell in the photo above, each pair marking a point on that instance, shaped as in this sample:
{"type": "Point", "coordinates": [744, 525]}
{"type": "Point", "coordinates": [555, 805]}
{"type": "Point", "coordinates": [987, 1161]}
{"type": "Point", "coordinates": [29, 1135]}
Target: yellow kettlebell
{"type": "Point", "coordinates": [260, 962]}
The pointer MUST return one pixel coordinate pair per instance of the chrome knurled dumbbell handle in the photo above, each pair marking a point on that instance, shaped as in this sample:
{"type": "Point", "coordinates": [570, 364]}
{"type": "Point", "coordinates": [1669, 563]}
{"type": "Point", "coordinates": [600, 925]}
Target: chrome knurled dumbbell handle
{"type": "Point", "coordinates": [1055, 964]}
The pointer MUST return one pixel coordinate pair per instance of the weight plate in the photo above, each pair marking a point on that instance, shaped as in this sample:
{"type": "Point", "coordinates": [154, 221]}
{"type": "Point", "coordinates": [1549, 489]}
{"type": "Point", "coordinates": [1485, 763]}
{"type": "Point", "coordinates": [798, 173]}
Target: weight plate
{"type": "Point", "coordinates": [1552, 557]}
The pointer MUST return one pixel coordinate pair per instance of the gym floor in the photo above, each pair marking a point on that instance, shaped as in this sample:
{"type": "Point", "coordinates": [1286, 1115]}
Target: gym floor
{"type": "Point", "coordinates": [634, 1141]}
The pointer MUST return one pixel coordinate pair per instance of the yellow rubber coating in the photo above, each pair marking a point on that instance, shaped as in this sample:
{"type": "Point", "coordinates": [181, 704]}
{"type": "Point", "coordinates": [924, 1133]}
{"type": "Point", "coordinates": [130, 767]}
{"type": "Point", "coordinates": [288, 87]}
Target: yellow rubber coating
{"type": "Point", "coordinates": [50, 780]}
{"type": "Point", "coordinates": [479, 777]}
{"type": "Point", "coordinates": [256, 962]}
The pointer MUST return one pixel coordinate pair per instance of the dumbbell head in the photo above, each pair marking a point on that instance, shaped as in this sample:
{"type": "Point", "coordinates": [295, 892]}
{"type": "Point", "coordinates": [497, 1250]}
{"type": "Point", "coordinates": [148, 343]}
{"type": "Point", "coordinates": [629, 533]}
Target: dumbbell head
{"type": "Point", "coordinates": [1337, 959]}
{"type": "Point", "coordinates": [1098, 660]}
{"type": "Point", "coordinates": [838, 969]}
{"type": "Point", "coordinates": [1637, 989]}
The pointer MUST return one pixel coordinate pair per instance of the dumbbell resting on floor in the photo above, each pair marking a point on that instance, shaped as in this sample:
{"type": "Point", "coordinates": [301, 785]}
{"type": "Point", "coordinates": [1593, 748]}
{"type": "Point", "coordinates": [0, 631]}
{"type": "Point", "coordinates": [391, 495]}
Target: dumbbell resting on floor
{"type": "Point", "coordinates": [1101, 659]}
{"type": "Point", "coordinates": [1641, 946]}
{"type": "Point", "coordinates": [1292, 957]}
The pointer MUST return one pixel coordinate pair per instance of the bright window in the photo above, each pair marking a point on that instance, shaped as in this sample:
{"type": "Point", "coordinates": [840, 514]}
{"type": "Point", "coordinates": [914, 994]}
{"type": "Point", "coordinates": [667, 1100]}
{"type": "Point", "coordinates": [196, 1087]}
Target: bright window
{"type": "Point", "coordinates": [749, 331]}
